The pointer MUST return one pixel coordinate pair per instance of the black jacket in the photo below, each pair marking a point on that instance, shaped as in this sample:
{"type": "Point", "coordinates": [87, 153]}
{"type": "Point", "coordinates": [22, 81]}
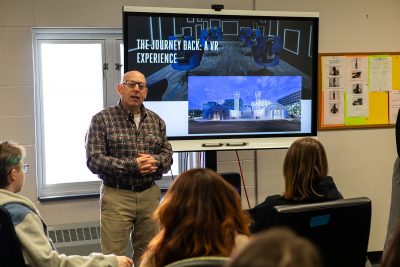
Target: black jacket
{"type": "Point", "coordinates": [262, 213]}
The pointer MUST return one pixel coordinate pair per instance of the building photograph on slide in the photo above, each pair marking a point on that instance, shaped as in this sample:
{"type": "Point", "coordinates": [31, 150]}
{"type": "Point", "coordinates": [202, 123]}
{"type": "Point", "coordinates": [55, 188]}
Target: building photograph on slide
{"type": "Point", "coordinates": [238, 104]}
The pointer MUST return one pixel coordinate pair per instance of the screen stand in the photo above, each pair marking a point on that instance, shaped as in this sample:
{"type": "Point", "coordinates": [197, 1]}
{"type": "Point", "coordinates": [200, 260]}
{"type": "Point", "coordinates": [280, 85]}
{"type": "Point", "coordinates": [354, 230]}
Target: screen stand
{"type": "Point", "coordinates": [211, 159]}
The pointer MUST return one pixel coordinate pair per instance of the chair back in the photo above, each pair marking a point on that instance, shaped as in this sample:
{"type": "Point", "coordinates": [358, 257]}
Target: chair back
{"type": "Point", "coordinates": [205, 261]}
{"type": "Point", "coordinates": [234, 179]}
{"type": "Point", "coordinates": [340, 229]}
{"type": "Point", "coordinates": [10, 246]}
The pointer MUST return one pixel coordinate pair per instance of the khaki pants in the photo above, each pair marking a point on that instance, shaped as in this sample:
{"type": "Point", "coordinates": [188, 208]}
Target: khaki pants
{"type": "Point", "coordinates": [125, 213]}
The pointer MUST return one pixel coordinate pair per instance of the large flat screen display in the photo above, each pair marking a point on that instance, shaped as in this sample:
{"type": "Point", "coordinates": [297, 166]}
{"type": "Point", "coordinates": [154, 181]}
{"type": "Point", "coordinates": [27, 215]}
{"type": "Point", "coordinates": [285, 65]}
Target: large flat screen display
{"type": "Point", "coordinates": [226, 79]}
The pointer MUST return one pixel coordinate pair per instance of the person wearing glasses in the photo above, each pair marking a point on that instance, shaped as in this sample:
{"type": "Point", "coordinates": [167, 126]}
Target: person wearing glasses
{"type": "Point", "coordinates": [127, 147]}
{"type": "Point", "coordinates": [37, 249]}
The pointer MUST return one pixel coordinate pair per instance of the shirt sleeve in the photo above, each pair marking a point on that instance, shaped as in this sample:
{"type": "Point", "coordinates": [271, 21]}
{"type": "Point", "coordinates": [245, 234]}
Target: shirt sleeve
{"type": "Point", "coordinates": [37, 250]}
{"type": "Point", "coordinates": [165, 155]}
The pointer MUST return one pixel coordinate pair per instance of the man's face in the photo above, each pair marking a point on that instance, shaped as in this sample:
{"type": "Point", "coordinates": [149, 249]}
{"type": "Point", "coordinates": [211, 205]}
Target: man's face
{"type": "Point", "coordinates": [133, 91]}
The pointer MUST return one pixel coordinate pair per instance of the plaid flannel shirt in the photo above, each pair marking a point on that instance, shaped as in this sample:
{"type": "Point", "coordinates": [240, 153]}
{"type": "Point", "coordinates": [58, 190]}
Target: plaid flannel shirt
{"type": "Point", "coordinates": [113, 142]}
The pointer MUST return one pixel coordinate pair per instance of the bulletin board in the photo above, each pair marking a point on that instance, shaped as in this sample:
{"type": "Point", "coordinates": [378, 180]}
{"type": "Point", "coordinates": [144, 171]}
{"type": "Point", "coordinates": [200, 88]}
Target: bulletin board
{"type": "Point", "coordinates": [358, 90]}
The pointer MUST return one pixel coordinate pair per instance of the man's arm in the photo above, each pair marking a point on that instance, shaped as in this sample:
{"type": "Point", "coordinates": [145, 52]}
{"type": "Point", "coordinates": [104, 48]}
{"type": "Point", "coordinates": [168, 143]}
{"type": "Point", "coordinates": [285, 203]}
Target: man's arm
{"type": "Point", "coordinates": [164, 157]}
{"type": "Point", "coordinates": [37, 249]}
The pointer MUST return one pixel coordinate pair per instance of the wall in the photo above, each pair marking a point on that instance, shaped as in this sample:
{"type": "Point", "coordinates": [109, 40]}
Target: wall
{"type": "Point", "coordinates": [360, 160]}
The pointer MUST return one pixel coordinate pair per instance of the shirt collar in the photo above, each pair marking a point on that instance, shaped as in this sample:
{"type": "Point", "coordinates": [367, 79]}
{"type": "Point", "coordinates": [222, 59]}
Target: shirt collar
{"type": "Point", "coordinates": [127, 113]}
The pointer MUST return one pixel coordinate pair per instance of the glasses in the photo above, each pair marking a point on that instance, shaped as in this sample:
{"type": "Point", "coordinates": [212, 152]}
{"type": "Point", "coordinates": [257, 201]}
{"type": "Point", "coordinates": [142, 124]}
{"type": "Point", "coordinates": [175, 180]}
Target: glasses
{"type": "Point", "coordinates": [132, 84]}
{"type": "Point", "coordinates": [24, 168]}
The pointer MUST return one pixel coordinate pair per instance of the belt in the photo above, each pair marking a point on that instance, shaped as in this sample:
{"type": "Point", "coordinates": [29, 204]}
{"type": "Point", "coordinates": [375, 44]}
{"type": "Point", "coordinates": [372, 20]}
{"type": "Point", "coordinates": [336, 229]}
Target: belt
{"type": "Point", "coordinates": [134, 188]}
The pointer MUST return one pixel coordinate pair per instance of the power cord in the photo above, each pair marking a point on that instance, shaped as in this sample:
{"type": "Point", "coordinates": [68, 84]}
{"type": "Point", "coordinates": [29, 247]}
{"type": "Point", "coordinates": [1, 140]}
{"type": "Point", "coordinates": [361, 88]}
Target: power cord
{"type": "Point", "coordinates": [241, 176]}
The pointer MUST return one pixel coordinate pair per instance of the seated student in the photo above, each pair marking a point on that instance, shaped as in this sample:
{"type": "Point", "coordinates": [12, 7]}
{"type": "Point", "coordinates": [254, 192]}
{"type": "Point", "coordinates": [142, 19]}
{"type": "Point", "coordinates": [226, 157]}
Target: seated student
{"type": "Point", "coordinates": [29, 226]}
{"type": "Point", "coordinates": [277, 247]}
{"type": "Point", "coordinates": [391, 255]}
{"type": "Point", "coordinates": [200, 215]}
{"type": "Point", "coordinates": [305, 172]}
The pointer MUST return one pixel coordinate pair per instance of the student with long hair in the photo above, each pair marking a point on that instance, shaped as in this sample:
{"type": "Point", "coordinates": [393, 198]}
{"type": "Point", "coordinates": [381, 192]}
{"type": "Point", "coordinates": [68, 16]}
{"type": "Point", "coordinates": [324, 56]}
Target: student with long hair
{"type": "Point", "coordinates": [200, 215]}
{"type": "Point", "coordinates": [305, 170]}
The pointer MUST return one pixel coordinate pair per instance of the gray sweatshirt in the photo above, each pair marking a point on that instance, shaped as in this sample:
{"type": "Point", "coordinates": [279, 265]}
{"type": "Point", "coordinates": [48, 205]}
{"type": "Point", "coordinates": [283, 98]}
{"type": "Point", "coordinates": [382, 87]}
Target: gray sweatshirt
{"type": "Point", "coordinates": [37, 249]}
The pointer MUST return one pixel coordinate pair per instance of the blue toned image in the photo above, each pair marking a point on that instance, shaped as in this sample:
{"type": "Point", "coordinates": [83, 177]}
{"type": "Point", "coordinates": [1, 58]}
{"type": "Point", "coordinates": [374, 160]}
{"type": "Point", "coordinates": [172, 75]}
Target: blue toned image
{"type": "Point", "coordinates": [238, 104]}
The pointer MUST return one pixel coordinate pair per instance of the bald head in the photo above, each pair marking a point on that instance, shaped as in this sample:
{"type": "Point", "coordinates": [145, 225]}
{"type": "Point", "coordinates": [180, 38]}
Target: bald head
{"type": "Point", "coordinates": [133, 74]}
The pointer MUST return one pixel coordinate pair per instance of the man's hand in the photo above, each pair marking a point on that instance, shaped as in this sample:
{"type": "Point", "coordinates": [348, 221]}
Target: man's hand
{"type": "Point", "coordinates": [146, 163]}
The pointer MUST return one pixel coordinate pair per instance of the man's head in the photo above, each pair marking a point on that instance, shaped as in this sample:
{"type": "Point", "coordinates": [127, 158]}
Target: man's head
{"type": "Point", "coordinates": [132, 91]}
{"type": "Point", "coordinates": [12, 167]}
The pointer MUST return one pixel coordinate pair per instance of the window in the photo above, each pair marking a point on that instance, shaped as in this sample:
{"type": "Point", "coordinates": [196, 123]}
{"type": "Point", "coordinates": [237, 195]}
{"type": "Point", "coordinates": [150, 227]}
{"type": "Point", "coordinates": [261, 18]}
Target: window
{"type": "Point", "coordinates": [76, 76]}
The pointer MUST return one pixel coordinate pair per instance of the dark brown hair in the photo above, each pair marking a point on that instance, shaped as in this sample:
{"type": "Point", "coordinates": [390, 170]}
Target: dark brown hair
{"type": "Point", "coordinates": [200, 215]}
{"type": "Point", "coordinates": [277, 247]}
{"type": "Point", "coordinates": [305, 164]}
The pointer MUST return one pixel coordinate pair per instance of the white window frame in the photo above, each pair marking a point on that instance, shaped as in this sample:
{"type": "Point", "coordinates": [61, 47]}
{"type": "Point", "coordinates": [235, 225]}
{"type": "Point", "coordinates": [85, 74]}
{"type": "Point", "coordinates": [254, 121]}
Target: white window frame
{"type": "Point", "coordinates": [111, 54]}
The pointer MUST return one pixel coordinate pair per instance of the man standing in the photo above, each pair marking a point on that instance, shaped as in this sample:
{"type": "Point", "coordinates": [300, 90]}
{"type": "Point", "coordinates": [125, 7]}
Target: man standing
{"type": "Point", "coordinates": [127, 147]}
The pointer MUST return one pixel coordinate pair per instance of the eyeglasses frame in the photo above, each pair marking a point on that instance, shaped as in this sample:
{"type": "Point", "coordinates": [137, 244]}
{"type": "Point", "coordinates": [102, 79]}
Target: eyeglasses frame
{"type": "Point", "coordinates": [132, 85]}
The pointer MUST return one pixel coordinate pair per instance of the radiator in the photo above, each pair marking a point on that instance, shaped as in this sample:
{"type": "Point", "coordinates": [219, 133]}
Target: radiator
{"type": "Point", "coordinates": [76, 239]}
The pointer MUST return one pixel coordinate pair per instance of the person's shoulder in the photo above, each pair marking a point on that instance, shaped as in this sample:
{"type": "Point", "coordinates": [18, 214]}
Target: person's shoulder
{"type": "Point", "coordinates": [262, 213]}
{"type": "Point", "coordinates": [107, 113]}
{"type": "Point", "coordinates": [270, 201]}
{"type": "Point", "coordinates": [8, 198]}
{"type": "Point", "coordinates": [152, 114]}
{"type": "Point", "coordinates": [18, 211]}
{"type": "Point", "coordinates": [328, 180]}
{"type": "Point", "coordinates": [328, 189]}
{"type": "Point", "coordinates": [274, 200]}
{"type": "Point", "coordinates": [108, 110]}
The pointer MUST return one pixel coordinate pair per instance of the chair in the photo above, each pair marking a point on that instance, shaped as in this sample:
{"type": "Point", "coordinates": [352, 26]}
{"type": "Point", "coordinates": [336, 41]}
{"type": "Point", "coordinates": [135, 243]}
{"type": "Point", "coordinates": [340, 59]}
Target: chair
{"type": "Point", "coordinates": [266, 51]}
{"type": "Point", "coordinates": [205, 261]}
{"type": "Point", "coordinates": [10, 246]}
{"type": "Point", "coordinates": [339, 228]}
{"type": "Point", "coordinates": [234, 179]}
{"type": "Point", "coordinates": [185, 59]}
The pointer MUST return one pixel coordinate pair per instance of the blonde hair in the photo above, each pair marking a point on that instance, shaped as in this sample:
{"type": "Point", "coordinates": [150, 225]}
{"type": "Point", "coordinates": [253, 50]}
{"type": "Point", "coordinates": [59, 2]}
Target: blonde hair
{"type": "Point", "coordinates": [11, 155]}
{"type": "Point", "coordinates": [305, 164]}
